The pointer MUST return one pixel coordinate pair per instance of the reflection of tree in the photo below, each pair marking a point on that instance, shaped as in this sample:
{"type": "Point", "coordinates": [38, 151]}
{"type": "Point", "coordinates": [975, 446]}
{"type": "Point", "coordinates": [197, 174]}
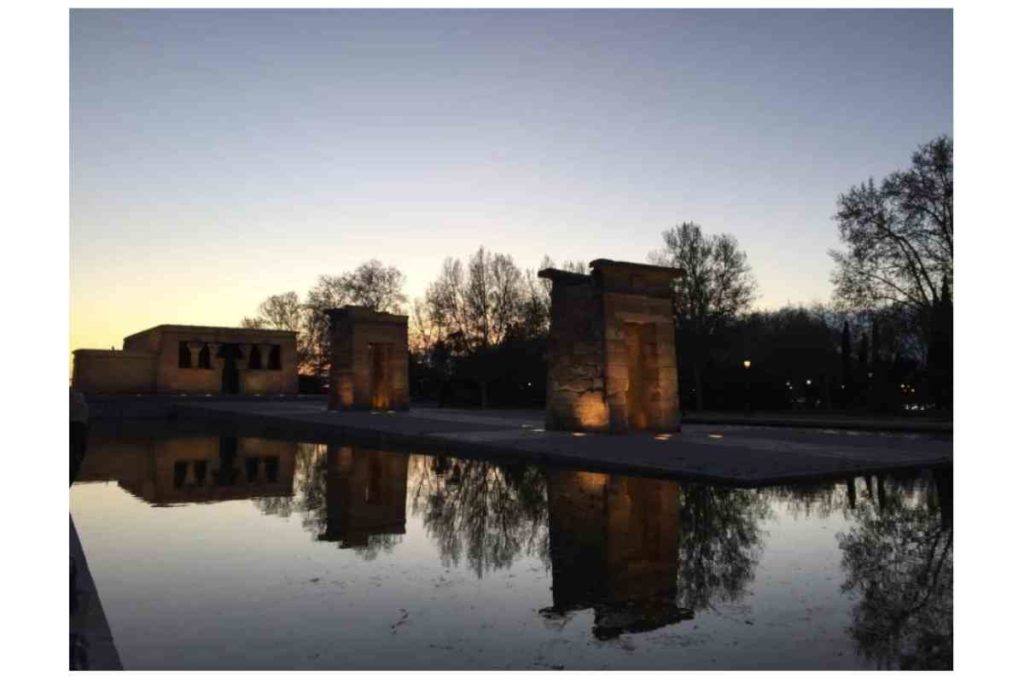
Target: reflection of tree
{"type": "Point", "coordinates": [719, 543]}
{"type": "Point", "coordinates": [814, 498]}
{"type": "Point", "coordinates": [377, 544]}
{"type": "Point", "coordinates": [899, 559]}
{"type": "Point", "coordinates": [310, 485]}
{"type": "Point", "coordinates": [486, 513]}
{"type": "Point", "coordinates": [312, 503]}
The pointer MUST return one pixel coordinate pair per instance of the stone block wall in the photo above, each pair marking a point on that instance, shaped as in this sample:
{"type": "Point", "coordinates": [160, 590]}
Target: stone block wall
{"type": "Point", "coordinates": [113, 372]}
{"type": "Point", "coordinates": [595, 381]}
{"type": "Point", "coordinates": [576, 373]}
{"type": "Point", "coordinates": [152, 362]}
{"type": "Point", "coordinates": [357, 334]}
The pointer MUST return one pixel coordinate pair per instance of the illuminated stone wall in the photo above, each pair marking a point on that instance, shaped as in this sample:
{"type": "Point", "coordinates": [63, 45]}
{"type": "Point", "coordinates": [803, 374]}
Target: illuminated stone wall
{"type": "Point", "coordinates": [369, 360]}
{"type": "Point", "coordinates": [611, 349]}
{"type": "Point", "coordinates": [192, 359]}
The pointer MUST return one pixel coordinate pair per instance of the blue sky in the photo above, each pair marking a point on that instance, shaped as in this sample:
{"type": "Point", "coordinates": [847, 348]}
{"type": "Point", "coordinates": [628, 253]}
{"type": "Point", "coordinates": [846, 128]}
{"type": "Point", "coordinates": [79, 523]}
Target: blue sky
{"type": "Point", "coordinates": [218, 157]}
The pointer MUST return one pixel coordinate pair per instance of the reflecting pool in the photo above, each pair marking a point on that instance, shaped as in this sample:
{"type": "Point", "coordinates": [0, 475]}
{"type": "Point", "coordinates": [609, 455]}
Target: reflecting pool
{"type": "Point", "coordinates": [221, 551]}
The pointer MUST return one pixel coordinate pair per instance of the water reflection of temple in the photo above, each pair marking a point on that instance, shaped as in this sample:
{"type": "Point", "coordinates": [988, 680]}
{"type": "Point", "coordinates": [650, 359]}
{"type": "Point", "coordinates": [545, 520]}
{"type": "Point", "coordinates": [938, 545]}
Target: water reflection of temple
{"type": "Point", "coordinates": [192, 469]}
{"type": "Point", "coordinates": [615, 548]}
{"type": "Point", "coordinates": [365, 495]}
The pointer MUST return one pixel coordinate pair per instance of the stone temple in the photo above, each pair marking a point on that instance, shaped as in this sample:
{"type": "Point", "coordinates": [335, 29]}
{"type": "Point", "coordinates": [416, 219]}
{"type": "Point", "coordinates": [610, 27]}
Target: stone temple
{"type": "Point", "coordinates": [612, 350]}
{"type": "Point", "coordinates": [192, 359]}
{"type": "Point", "coordinates": [369, 360]}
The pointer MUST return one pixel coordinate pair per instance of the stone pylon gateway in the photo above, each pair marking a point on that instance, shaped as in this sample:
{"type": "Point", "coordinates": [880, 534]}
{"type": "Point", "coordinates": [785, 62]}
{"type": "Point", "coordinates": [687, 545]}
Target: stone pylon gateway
{"type": "Point", "coordinates": [369, 360]}
{"type": "Point", "coordinates": [612, 350]}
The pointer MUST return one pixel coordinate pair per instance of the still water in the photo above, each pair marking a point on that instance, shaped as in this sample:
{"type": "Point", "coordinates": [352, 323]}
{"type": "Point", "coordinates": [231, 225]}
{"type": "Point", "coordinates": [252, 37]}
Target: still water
{"type": "Point", "coordinates": [227, 552]}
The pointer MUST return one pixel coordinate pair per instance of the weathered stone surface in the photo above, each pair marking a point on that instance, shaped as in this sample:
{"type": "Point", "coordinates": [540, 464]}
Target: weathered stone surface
{"type": "Point", "coordinates": [166, 360]}
{"type": "Point", "coordinates": [611, 351]}
{"type": "Point", "coordinates": [369, 360]}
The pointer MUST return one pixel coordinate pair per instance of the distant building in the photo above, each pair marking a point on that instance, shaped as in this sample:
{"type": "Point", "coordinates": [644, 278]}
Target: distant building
{"type": "Point", "coordinates": [189, 359]}
{"type": "Point", "coordinates": [612, 349]}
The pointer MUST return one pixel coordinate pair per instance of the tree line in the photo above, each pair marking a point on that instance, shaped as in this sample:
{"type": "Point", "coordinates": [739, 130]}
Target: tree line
{"type": "Point", "coordinates": [477, 335]}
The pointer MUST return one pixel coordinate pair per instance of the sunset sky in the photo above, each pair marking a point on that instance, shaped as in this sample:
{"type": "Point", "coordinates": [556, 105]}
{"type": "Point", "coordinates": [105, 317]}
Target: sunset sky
{"type": "Point", "coordinates": [218, 157]}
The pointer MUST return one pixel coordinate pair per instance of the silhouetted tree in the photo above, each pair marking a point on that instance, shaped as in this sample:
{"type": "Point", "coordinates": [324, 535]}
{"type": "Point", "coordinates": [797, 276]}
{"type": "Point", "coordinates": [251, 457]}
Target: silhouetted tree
{"type": "Point", "coordinates": [472, 312]}
{"type": "Point", "coordinates": [715, 287]}
{"type": "Point", "coordinates": [940, 350]}
{"type": "Point", "coordinates": [847, 386]}
{"type": "Point", "coordinates": [372, 284]}
{"type": "Point", "coordinates": [898, 237]}
{"type": "Point", "coordinates": [282, 312]}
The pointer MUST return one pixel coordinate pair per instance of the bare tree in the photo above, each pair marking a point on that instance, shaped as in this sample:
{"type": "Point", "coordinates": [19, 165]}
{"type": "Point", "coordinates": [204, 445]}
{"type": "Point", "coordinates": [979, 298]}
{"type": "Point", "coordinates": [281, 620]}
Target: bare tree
{"type": "Point", "coordinates": [278, 312]}
{"type": "Point", "coordinates": [375, 286]}
{"type": "Point", "coordinates": [471, 309]}
{"type": "Point", "coordinates": [372, 284]}
{"type": "Point", "coordinates": [715, 287]}
{"type": "Point", "coordinates": [898, 236]}
{"type": "Point", "coordinates": [283, 312]}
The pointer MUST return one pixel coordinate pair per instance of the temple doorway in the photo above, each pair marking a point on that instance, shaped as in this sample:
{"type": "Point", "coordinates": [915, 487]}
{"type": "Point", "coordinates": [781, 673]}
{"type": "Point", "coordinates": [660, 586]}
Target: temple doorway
{"type": "Point", "coordinates": [642, 355]}
{"type": "Point", "coordinates": [380, 376]}
{"type": "Point", "coordinates": [229, 375]}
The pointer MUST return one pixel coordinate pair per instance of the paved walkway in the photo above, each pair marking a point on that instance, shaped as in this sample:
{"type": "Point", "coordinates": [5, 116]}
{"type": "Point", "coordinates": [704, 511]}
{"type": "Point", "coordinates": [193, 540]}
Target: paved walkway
{"type": "Point", "coordinates": [826, 420]}
{"type": "Point", "coordinates": [732, 454]}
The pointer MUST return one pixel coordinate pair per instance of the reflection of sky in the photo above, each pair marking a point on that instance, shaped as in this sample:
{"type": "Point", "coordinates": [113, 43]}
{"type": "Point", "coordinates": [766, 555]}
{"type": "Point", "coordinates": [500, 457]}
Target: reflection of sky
{"type": "Point", "coordinates": [224, 586]}
{"type": "Point", "coordinates": [219, 157]}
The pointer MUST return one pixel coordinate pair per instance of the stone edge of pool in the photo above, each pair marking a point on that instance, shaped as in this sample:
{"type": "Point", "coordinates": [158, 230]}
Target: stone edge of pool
{"type": "Point", "coordinates": [465, 435]}
{"type": "Point", "coordinates": [88, 622]}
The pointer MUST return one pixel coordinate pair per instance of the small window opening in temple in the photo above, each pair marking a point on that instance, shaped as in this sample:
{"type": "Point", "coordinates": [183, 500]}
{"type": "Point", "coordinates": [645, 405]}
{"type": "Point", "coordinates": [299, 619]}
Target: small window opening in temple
{"type": "Point", "coordinates": [255, 362]}
{"type": "Point", "coordinates": [271, 467]}
{"type": "Point", "coordinates": [274, 362]}
{"type": "Point", "coordinates": [199, 467]}
{"type": "Point", "coordinates": [184, 355]}
{"type": "Point", "coordinates": [252, 468]}
{"type": "Point", "coordinates": [180, 472]}
{"type": "Point", "coordinates": [204, 357]}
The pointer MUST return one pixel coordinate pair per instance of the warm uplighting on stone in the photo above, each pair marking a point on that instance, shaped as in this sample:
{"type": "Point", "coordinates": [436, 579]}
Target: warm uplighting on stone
{"type": "Point", "coordinates": [192, 360]}
{"type": "Point", "coordinates": [369, 360]}
{"type": "Point", "coordinates": [611, 349]}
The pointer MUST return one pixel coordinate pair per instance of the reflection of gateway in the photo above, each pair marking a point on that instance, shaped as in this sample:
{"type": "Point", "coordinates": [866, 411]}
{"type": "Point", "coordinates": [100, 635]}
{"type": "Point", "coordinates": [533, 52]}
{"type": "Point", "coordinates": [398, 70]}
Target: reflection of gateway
{"type": "Point", "coordinates": [365, 495]}
{"type": "Point", "coordinates": [193, 469]}
{"type": "Point", "coordinates": [615, 548]}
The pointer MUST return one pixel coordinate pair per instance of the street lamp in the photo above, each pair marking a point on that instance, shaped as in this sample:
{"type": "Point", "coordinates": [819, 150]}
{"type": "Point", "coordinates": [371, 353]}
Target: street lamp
{"type": "Point", "coordinates": [746, 385]}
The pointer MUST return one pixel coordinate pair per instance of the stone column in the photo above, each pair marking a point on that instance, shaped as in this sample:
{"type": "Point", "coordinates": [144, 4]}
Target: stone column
{"type": "Point", "coordinates": [264, 355]}
{"type": "Point", "coordinates": [243, 361]}
{"type": "Point", "coordinates": [194, 347]}
{"type": "Point", "coordinates": [216, 362]}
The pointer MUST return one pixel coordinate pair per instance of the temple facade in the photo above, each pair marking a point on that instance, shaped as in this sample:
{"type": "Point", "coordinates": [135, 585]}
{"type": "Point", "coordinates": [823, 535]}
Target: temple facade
{"type": "Point", "coordinates": [369, 360]}
{"type": "Point", "coordinates": [612, 349]}
{"type": "Point", "coordinates": [190, 359]}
